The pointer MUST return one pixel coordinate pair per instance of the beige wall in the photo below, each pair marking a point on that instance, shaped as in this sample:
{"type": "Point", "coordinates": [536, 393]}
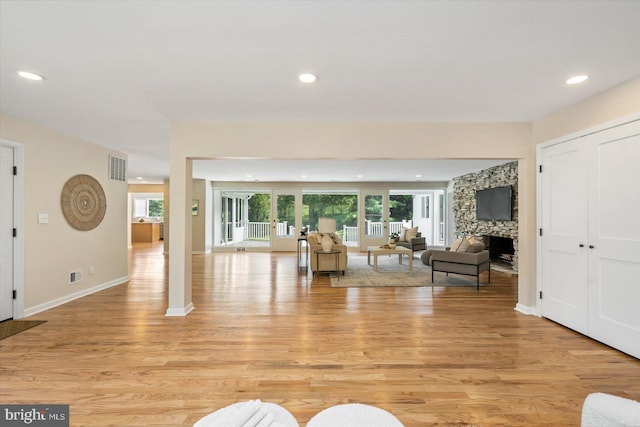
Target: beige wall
{"type": "Point", "coordinates": [617, 102]}
{"type": "Point", "coordinates": [145, 188]}
{"type": "Point", "coordinates": [52, 250]}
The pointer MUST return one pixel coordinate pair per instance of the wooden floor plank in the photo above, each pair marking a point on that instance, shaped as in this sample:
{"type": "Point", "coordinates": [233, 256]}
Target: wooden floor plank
{"type": "Point", "coordinates": [260, 329]}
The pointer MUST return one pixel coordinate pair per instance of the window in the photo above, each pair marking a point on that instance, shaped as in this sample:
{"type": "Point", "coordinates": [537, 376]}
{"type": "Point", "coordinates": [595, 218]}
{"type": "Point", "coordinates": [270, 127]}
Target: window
{"type": "Point", "coordinates": [148, 208]}
{"type": "Point", "coordinates": [425, 207]}
{"type": "Point", "coordinates": [339, 206]}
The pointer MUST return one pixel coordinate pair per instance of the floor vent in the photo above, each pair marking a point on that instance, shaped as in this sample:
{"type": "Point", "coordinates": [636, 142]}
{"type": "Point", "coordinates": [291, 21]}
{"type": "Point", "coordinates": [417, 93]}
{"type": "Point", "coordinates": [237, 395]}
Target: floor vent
{"type": "Point", "coordinates": [75, 276]}
{"type": "Point", "coordinates": [117, 168]}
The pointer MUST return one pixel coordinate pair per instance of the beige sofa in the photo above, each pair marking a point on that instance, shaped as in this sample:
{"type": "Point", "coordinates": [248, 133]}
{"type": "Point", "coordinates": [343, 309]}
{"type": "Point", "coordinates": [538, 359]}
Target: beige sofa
{"type": "Point", "coordinates": [471, 260]}
{"type": "Point", "coordinates": [326, 262]}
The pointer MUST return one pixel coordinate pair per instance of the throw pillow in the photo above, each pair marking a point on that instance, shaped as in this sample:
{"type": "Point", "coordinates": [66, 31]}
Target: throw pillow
{"type": "Point", "coordinates": [402, 237]}
{"type": "Point", "coordinates": [314, 239]}
{"type": "Point", "coordinates": [456, 245]}
{"type": "Point", "coordinates": [464, 245]}
{"type": "Point", "coordinates": [336, 239]}
{"type": "Point", "coordinates": [411, 233]}
{"type": "Point", "coordinates": [475, 248]}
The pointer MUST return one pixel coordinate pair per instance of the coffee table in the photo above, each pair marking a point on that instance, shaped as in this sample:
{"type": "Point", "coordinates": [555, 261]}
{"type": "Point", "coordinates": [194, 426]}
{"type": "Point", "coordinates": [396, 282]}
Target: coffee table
{"type": "Point", "coordinates": [399, 250]}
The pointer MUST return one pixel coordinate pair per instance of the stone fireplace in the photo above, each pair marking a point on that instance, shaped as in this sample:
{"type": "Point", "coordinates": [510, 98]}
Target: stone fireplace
{"type": "Point", "coordinates": [500, 249]}
{"type": "Point", "coordinates": [464, 209]}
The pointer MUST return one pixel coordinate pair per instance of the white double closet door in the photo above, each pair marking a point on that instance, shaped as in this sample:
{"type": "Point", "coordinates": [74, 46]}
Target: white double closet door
{"type": "Point", "coordinates": [589, 215]}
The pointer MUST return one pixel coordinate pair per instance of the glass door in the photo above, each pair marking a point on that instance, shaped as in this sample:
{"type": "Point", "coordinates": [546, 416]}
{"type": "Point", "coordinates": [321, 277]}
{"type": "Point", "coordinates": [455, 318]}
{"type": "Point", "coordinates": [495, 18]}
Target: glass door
{"type": "Point", "coordinates": [374, 213]}
{"type": "Point", "coordinates": [285, 218]}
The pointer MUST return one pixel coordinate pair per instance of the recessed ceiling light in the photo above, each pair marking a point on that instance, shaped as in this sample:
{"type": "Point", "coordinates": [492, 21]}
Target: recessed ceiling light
{"type": "Point", "coordinates": [360, 176]}
{"type": "Point", "coordinates": [139, 177]}
{"type": "Point", "coordinates": [303, 176]}
{"type": "Point", "coordinates": [30, 76]}
{"type": "Point", "coordinates": [418, 176]}
{"type": "Point", "coordinates": [307, 78]}
{"type": "Point", "coordinates": [577, 79]}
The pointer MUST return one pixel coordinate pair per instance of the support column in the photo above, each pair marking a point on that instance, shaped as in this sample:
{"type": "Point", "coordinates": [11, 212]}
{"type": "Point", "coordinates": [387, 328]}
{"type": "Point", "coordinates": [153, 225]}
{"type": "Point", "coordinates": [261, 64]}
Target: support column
{"type": "Point", "coordinates": [180, 238]}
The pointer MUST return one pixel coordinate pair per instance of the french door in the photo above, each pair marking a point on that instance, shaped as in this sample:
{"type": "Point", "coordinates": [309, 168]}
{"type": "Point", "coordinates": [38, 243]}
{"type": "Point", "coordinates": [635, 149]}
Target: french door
{"type": "Point", "coordinates": [286, 215]}
{"type": "Point", "coordinates": [374, 214]}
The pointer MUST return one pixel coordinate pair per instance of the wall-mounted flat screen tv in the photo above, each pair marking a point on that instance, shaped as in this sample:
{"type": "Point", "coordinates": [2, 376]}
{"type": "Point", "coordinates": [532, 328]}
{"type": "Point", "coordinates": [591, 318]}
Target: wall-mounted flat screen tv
{"type": "Point", "coordinates": [494, 204]}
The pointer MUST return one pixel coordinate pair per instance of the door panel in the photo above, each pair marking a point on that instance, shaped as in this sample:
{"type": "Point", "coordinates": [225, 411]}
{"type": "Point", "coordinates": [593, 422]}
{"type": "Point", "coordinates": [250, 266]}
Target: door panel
{"type": "Point", "coordinates": [6, 233]}
{"type": "Point", "coordinates": [614, 254]}
{"type": "Point", "coordinates": [564, 224]}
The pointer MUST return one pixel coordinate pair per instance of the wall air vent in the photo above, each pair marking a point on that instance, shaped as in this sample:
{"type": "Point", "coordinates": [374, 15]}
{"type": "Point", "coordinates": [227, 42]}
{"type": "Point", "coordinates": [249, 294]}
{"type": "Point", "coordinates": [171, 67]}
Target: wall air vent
{"type": "Point", "coordinates": [117, 168]}
{"type": "Point", "coordinates": [75, 276]}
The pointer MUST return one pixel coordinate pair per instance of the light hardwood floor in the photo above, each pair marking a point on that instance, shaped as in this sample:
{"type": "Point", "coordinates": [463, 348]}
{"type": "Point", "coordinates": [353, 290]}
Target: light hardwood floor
{"type": "Point", "coordinates": [430, 356]}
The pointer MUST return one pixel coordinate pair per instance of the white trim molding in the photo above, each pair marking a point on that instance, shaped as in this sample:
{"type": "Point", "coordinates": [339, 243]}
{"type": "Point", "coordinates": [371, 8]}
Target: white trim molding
{"type": "Point", "coordinates": [174, 312]}
{"type": "Point", "coordinates": [529, 310]}
{"type": "Point", "coordinates": [68, 298]}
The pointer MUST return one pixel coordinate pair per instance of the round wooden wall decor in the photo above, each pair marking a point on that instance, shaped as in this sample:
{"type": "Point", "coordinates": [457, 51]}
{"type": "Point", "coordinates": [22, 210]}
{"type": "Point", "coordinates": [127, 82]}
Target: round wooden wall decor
{"type": "Point", "coordinates": [83, 202]}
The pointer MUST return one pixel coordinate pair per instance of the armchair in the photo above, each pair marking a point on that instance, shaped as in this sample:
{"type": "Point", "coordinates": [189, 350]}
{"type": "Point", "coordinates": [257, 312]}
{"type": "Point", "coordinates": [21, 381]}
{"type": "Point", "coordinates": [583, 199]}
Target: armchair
{"type": "Point", "coordinates": [471, 262]}
{"type": "Point", "coordinates": [327, 263]}
{"type": "Point", "coordinates": [412, 239]}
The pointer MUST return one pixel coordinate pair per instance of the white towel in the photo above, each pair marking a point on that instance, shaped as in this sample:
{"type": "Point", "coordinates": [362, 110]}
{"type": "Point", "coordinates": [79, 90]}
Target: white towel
{"type": "Point", "coordinates": [606, 410]}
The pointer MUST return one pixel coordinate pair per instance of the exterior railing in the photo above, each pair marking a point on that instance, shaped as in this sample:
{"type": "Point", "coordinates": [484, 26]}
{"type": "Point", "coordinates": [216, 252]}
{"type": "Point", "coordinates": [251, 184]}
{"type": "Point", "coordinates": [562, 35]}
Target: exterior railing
{"type": "Point", "coordinates": [261, 230]}
{"type": "Point", "coordinates": [282, 229]}
{"type": "Point", "coordinates": [350, 235]}
{"type": "Point", "coordinates": [375, 228]}
{"type": "Point", "coordinates": [257, 231]}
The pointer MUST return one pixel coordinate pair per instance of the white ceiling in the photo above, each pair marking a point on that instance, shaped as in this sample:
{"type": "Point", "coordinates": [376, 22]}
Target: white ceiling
{"type": "Point", "coordinates": [119, 72]}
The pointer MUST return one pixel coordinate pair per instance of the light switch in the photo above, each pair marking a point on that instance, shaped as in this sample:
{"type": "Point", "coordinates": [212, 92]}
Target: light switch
{"type": "Point", "coordinates": [43, 218]}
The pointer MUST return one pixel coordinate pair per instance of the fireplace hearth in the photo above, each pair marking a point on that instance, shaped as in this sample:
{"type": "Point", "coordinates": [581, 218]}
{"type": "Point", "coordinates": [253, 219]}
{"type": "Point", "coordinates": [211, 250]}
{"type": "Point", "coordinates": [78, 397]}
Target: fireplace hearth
{"type": "Point", "coordinates": [500, 248]}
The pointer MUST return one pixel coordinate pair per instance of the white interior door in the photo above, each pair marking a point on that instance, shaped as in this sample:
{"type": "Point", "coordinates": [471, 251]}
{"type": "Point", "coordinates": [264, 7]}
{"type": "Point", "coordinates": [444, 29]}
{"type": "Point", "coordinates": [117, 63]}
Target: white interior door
{"type": "Point", "coordinates": [374, 218]}
{"type": "Point", "coordinates": [564, 246]}
{"type": "Point", "coordinates": [6, 233]}
{"type": "Point", "coordinates": [423, 216]}
{"type": "Point", "coordinates": [614, 239]}
{"type": "Point", "coordinates": [286, 214]}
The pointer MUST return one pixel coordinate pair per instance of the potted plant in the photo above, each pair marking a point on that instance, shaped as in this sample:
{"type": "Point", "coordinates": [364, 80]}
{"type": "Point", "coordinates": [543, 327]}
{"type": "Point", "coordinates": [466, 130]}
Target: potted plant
{"type": "Point", "coordinates": [393, 237]}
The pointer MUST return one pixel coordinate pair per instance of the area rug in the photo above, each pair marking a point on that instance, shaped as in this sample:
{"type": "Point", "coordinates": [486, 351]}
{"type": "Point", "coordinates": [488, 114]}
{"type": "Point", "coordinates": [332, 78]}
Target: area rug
{"type": "Point", "coordinates": [12, 327]}
{"type": "Point", "coordinates": [392, 274]}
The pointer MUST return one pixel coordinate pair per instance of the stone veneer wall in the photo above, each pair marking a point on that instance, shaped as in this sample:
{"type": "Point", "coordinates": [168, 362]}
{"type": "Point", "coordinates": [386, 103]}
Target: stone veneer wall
{"type": "Point", "coordinates": [464, 204]}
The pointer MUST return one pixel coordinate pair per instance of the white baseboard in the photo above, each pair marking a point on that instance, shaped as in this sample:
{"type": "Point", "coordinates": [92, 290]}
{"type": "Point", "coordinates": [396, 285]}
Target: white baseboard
{"type": "Point", "coordinates": [526, 309]}
{"type": "Point", "coordinates": [68, 298]}
{"type": "Point", "coordinates": [180, 311]}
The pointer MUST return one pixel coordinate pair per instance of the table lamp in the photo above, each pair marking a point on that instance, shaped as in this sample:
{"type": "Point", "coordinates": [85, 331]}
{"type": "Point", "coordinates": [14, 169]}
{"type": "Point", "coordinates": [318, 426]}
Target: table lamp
{"type": "Point", "coordinates": [325, 227]}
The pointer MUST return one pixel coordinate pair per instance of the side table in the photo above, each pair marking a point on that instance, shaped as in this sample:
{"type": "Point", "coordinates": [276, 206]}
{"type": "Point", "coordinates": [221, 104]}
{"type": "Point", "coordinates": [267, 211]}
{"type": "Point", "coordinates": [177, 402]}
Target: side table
{"type": "Point", "coordinates": [334, 252]}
